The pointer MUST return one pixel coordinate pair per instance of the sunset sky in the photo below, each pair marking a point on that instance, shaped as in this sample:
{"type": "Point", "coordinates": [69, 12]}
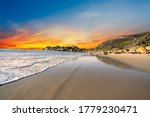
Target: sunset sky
{"type": "Point", "coordinates": [35, 24]}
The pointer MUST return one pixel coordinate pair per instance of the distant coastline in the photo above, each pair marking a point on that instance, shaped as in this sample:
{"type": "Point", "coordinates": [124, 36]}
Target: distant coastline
{"type": "Point", "coordinates": [129, 44]}
{"type": "Point", "coordinates": [64, 48]}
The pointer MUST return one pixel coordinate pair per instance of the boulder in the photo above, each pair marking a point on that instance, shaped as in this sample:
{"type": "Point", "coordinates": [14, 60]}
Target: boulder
{"type": "Point", "coordinates": [148, 48]}
{"type": "Point", "coordinates": [137, 50]}
{"type": "Point", "coordinates": [141, 50]}
{"type": "Point", "coordinates": [104, 53]}
{"type": "Point", "coordinates": [132, 50]}
{"type": "Point", "coordinates": [126, 50]}
{"type": "Point", "coordinates": [119, 51]}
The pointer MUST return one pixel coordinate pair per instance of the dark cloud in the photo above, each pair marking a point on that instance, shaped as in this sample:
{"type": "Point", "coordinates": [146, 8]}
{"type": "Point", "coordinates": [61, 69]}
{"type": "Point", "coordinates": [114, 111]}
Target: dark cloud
{"type": "Point", "coordinates": [4, 35]}
{"type": "Point", "coordinates": [6, 32]}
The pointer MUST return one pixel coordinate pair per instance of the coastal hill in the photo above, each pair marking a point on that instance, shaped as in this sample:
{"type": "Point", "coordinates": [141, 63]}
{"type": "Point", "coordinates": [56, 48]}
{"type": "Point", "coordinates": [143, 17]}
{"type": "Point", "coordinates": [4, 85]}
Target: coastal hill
{"type": "Point", "coordinates": [136, 43]}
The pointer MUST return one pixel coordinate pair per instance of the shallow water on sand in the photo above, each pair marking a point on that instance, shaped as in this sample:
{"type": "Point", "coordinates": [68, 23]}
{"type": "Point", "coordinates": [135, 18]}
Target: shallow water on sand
{"type": "Point", "coordinates": [87, 77]}
{"type": "Point", "coordinates": [16, 64]}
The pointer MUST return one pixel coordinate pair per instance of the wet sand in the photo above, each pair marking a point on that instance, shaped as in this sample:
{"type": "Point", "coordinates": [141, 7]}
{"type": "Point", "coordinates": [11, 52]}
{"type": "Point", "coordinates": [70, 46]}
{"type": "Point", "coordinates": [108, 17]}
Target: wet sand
{"type": "Point", "coordinates": [141, 61]}
{"type": "Point", "coordinates": [85, 78]}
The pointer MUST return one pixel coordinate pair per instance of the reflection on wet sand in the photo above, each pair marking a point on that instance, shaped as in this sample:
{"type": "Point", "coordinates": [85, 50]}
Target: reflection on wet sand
{"type": "Point", "coordinates": [82, 78]}
{"type": "Point", "coordinates": [117, 63]}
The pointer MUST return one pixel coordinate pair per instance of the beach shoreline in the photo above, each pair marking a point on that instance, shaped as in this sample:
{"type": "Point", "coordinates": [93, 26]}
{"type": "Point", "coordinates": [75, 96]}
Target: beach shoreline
{"type": "Point", "coordinates": [84, 78]}
{"type": "Point", "coordinates": [15, 65]}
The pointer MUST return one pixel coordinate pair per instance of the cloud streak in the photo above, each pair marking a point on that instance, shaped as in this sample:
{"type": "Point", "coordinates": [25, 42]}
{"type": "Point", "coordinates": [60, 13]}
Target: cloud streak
{"type": "Point", "coordinates": [85, 27]}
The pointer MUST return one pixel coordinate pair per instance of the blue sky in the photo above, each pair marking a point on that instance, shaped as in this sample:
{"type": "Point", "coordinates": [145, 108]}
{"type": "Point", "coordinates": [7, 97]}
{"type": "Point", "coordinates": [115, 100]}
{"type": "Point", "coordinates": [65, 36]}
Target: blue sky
{"type": "Point", "coordinates": [91, 20]}
{"type": "Point", "coordinates": [24, 10]}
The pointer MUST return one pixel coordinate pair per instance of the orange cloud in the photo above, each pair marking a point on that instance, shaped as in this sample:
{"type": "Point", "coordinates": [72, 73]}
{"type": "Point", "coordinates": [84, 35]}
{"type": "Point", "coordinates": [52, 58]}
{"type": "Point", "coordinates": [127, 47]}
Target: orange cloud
{"type": "Point", "coordinates": [24, 38]}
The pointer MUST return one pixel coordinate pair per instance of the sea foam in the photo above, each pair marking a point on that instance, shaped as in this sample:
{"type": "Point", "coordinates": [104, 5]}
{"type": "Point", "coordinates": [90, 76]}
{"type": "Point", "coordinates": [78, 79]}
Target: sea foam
{"type": "Point", "coordinates": [15, 65]}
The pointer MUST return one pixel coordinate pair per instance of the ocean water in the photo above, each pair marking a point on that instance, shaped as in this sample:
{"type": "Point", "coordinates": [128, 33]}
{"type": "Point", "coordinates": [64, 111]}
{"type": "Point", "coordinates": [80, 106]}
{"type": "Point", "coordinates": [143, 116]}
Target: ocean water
{"type": "Point", "coordinates": [17, 64]}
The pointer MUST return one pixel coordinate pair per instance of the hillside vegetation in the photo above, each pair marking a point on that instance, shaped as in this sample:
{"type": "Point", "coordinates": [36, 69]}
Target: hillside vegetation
{"type": "Point", "coordinates": [124, 42]}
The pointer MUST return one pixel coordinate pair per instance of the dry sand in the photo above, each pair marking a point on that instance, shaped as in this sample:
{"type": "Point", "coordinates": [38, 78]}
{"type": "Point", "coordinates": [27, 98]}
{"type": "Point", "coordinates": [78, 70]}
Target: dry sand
{"type": "Point", "coordinates": [85, 78]}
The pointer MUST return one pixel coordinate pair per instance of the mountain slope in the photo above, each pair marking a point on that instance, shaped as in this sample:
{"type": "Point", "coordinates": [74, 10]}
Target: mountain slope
{"type": "Point", "coordinates": [124, 42]}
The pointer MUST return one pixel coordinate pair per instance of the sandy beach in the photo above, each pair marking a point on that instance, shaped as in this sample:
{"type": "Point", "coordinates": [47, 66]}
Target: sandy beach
{"type": "Point", "coordinates": [88, 77]}
{"type": "Point", "coordinates": [140, 61]}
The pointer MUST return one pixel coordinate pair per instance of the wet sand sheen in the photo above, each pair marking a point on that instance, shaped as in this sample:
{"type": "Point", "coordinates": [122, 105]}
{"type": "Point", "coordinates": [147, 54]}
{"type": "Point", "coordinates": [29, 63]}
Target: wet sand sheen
{"type": "Point", "coordinates": [84, 78]}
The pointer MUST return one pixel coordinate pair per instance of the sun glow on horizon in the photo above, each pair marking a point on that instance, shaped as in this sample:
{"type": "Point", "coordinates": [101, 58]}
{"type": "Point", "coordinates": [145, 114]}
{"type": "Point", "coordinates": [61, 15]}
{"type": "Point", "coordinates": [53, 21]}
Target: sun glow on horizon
{"type": "Point", "coordinates": [25, 38]}
{"type": "Point", "coordinates": [85, 23]}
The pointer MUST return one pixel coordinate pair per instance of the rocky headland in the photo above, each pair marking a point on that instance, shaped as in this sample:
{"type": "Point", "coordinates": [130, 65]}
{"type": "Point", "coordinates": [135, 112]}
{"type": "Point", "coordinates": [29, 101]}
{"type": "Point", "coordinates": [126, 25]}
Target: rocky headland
{"type": "Point", "coordinates": [64, 48]}
{"type": "Point", "coordinates": [131, 44]}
